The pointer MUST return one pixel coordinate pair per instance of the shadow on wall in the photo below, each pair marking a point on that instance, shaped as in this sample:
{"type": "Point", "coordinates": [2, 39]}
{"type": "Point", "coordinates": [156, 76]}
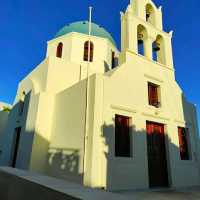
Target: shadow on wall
{"type": "Point", "coordinates": [191, 119]}
{"type": "Point", "coordinates": [17, 118]}
{"type": "Point", "coordinates": [60, 163]}
{"type": "Point", "coordinates": [148, 153]}
{"type": "Point", "coordinates": [106, 66]}
{"type": "Point", "coordinates": [64, 163]}
{"type": "Point", "coordinates": [3, 121]}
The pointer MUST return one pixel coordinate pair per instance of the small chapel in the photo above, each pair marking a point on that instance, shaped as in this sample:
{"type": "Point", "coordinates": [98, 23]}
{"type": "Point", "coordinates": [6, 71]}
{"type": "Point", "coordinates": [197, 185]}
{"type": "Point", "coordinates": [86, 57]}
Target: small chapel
{"type": "Point", "coordinates": [106, 118]}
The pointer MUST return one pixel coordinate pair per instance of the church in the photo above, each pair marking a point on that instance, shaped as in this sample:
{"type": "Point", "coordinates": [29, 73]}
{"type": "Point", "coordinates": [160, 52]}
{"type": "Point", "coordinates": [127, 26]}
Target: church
{"type": "Point", "coordinates": [106, 118]}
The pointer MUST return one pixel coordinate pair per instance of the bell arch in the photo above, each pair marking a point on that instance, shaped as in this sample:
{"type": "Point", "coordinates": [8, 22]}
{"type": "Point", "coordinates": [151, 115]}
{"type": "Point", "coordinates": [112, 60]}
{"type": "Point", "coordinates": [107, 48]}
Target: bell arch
{"type": "Point", "coordinates": [150, 14]}
{"type": "Point", "coordinates": [141, 39]}
{"type": "Point", "coordinates": [158, 48]}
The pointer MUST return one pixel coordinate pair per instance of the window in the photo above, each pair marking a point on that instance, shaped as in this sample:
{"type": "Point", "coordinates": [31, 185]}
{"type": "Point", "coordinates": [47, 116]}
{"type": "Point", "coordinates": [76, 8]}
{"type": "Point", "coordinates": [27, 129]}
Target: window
{"type": "Point", "coordinates": [153, 94]}
{"type": "Point", "coordinates": [59, 50]}
{"type": "Point", "coordinates": [113, 59]}
{"type": "Point", "coordinates": [183, 143]}
{"type": "Point", "coordinates": [88, 53]}
{"type": "Point", "coordinates": [122, 136]}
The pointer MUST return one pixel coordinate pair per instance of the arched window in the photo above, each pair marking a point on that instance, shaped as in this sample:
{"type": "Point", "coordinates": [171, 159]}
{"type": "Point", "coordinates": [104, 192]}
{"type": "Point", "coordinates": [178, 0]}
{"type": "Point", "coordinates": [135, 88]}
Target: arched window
{"type": "Point", "coordinates": [159, 50]}
{"type": "Point", "coordinates": [141, 38]}
{"type": "Point", "coordinates": [150, 14]}
{"type": "Point", "coordinates": [88, 51]}
{"type": "Point", "coordinates": [59, 50]}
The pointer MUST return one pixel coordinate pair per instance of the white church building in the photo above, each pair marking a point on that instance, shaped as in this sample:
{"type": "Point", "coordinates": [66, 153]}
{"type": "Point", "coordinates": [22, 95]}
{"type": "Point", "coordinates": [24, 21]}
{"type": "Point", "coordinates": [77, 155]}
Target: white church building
{"type": "Point", "coordinates": [105, 118]}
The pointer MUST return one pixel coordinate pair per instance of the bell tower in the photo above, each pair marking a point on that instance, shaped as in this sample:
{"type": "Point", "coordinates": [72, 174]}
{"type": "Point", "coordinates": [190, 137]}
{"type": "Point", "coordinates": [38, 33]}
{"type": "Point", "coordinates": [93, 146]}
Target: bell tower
{"type": "Point", "coordinates": [142, 33]}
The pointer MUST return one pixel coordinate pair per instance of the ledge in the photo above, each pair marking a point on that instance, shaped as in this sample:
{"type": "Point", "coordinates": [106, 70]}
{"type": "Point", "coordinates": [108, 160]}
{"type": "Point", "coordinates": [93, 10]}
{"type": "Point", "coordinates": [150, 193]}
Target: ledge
{"type": "Point", "coordinates": [184, 123]}
{"type": "Point", "coordinates": [117, 107]}
{"type": "Point", "coordinates": [155, 116]}
{"type": "Point", "coordinates": [179, 121]}
{"type": "Point", "coordinates": [153, 78]}
{"type": "Point", "coordinates": [149, 60]}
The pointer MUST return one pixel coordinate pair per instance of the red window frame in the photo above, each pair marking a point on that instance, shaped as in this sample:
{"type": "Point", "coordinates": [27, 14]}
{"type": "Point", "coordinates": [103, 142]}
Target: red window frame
{"type": "Point", "coordinates": [122, 136]}
{"type": "Point", "coordinates": [153, 95]}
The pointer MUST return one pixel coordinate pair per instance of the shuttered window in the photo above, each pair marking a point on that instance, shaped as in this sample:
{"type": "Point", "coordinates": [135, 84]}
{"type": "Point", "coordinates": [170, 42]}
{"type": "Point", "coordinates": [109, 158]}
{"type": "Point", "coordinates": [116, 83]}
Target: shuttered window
{"type": "Point", "coordinates": [122, 136]}
{"type": "Point", "coordinates": [153, 95]}
{"type": "Point", "coordinates": [183, 134]}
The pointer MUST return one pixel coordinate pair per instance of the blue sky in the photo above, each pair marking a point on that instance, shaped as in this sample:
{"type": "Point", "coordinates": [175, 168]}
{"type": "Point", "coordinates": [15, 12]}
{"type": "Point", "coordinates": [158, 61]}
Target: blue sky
{"type": "Point", "coordinates": [27, 25]}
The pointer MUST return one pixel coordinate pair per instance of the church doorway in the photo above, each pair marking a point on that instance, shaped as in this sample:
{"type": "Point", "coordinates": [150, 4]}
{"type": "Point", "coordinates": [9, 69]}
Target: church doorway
{"type": "Point", "coordinates": [16, 141]}
{"type": "Point", "coordinates": [157, 159]}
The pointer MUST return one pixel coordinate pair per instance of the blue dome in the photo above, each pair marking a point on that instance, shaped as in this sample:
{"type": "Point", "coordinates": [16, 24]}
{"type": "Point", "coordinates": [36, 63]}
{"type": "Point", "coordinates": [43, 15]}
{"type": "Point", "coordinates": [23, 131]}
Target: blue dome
{"type": "Point", "coordinates": [82, 27]}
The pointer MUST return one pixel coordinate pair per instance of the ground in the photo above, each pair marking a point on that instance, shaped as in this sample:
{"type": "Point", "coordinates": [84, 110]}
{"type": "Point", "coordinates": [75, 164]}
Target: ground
{"type": "Point", "coordinates": [192, 193]}
{"type": "Point", "coordinates": [18, 184]}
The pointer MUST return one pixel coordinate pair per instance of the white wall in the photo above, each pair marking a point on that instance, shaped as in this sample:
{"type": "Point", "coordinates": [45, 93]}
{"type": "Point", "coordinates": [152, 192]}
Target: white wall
{"type": "Point", "coordinates": [66, 149]}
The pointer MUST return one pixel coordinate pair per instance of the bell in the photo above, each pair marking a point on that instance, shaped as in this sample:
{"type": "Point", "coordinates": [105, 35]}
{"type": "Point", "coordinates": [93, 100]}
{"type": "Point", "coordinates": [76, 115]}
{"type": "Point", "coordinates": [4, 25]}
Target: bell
{"type": "Point", "coordinates": [157, 47]}
{"type": "Point", "coordinates": [140, 41]}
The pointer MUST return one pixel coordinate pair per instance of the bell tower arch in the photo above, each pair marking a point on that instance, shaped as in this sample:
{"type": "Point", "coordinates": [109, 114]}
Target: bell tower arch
{"type": "Point", "coordinates": [142, 27]}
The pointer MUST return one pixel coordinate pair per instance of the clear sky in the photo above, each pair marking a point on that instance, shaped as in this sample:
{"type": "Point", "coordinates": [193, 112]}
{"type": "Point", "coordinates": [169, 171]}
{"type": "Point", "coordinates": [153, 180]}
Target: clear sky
{"type": "Point", "coordinates": [26, 26]}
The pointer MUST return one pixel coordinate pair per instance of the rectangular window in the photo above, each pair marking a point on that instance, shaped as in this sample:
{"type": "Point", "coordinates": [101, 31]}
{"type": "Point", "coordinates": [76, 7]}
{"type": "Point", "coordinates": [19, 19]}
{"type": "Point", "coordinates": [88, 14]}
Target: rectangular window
{"type": "Point", "coordinates": [153, 94]}
{"type": "Point", "coordinates": [122, 136]}
{"type": "Point", "coordinates": [183, 143]}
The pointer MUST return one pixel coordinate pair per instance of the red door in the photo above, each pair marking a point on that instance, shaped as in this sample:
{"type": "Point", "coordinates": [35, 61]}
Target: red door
{"type": "Point", "coordinates": [157, 161]}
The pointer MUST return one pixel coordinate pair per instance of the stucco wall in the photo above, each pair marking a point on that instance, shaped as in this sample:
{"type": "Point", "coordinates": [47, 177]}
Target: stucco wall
{"type": "Point", "coordinates": [42, 132]}
{"type": "Point", "coordinates": [67, 135]}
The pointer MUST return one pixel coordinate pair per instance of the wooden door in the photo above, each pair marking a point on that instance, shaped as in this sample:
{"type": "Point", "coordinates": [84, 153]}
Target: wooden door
{"type": "Point", "coordinates": [157, 160]}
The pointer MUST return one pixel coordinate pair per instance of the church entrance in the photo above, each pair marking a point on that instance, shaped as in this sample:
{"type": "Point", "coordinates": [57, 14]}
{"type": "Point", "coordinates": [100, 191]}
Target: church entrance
{"type": "Point", "coordinates": [157, 159]}
{"type": "Point", "coordinates": [16, 141]}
